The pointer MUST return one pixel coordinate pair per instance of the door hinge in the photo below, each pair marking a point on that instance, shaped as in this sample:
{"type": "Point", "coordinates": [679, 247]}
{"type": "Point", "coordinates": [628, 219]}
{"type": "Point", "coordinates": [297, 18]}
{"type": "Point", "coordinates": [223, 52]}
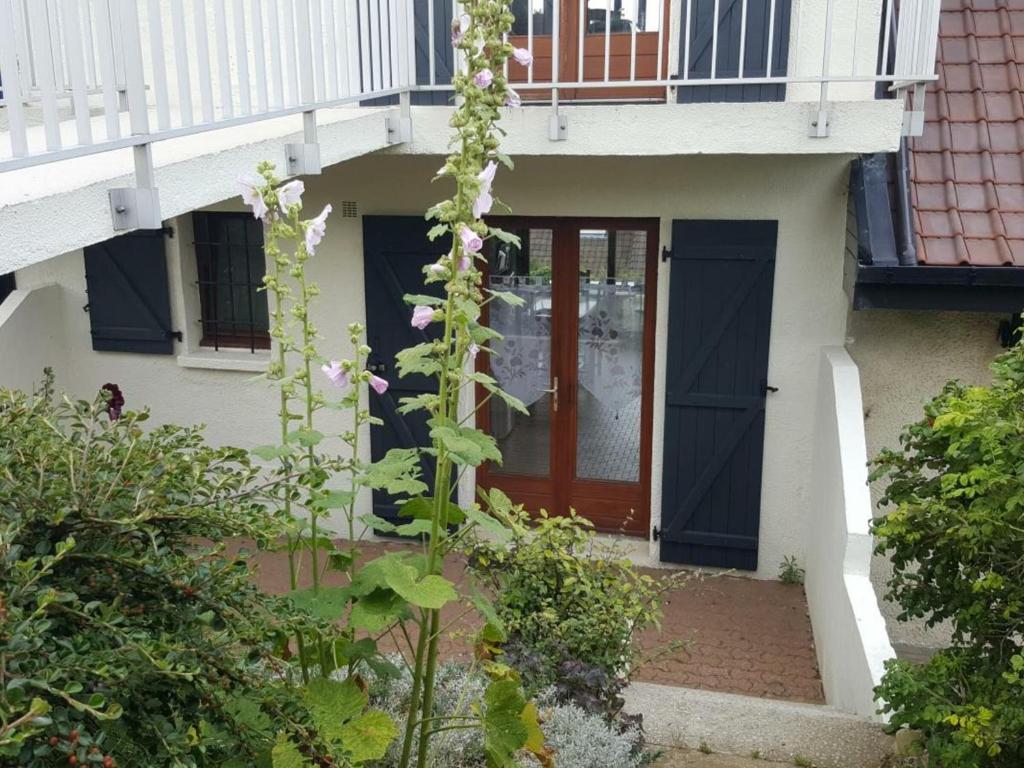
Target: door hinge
{"type": "Point", "coordinates": [655, 533]}
{"type": "Point", "coordinates": [175, 335]}
{"type": "Point", "coordinates": [666, 254]}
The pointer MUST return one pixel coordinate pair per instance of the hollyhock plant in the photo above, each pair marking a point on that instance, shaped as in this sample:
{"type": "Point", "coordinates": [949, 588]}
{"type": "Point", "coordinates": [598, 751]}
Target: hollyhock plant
{"type": "Point", "coordinates": [483, 78]}
{"type": "Point", "coordinates": [471, 241]}
{"type": "Point", "coordinates": [335, 373]}
{"type": "Point", "coordinates": [252, 196]}
{"type": "Point", "coordinates": [316, 229]}
{"type": "Point", "coordinates": [460, 27]}
{"type": "Point", "coordinates": [379, 385]}
{"type": "Point", "coordinates": [422, 316]}
{"type": "Point", "coordinates": [464, 263]}
{"type": "Point", "coordinates": [522, 56]}
{"type": "Point", "coordinates": [512, 99]}
{"type": "Point", "coordinates": [484, 200]}
{"type": "Point", "coordinates": [290, 194]}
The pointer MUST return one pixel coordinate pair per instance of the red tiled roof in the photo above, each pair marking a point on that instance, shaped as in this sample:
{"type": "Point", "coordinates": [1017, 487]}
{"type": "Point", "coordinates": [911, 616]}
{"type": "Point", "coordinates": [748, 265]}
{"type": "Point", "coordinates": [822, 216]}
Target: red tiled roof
{"type": "Point", "coordinates": [967, 169]}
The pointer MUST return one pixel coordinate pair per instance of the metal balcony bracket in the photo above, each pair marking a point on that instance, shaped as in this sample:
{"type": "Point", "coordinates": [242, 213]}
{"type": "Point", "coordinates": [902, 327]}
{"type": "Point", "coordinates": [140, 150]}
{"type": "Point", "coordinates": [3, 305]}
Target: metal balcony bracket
{"type": "Point", "coordinates": [558, 127]}
{"type": "Point", "coordinates": [913, 118]}
{"type": "Point", "coordinates": [399, 125]}
{"type": "Point", "coordinates": [399, 128]}
{"type": "Point", "coordinates": [303, 159]}
{"type": "Point", "coordinates": [820, 124]}
{"type": "Point", "coordinates": [137, 207]}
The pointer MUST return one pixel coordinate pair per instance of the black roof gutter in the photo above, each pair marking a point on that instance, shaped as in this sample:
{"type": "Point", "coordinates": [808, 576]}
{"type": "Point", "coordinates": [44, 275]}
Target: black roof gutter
{"type": "Point", "coordinates": [888, 276]}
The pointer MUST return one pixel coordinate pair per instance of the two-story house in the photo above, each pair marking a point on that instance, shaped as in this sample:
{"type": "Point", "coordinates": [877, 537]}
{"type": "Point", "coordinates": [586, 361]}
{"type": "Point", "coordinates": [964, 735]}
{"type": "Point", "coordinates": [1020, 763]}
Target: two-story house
{"type": "Point", "coordinates": [681, 192]}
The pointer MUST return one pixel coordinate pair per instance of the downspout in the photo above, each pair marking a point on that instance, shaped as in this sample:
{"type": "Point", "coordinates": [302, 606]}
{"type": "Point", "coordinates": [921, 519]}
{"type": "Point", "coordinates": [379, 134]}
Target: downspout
{"type": "Point", "coordinates": [906, 248]}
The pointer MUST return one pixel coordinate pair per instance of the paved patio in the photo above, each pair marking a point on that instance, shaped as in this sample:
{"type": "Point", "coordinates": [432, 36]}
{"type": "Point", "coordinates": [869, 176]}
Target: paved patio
{"type": "Point", "coordinates": [740, 635]}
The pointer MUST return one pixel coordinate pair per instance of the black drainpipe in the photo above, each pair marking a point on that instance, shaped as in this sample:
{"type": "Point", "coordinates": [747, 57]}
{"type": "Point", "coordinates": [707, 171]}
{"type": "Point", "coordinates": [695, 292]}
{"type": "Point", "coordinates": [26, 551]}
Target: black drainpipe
{"type": "Point", "coordinates": [906, 248]}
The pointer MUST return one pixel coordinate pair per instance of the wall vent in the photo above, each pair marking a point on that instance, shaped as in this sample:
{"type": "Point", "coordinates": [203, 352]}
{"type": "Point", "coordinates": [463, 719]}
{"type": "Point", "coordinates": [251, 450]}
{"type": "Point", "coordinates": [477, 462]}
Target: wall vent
{"type": "Point", "coordinates": [349, 210]}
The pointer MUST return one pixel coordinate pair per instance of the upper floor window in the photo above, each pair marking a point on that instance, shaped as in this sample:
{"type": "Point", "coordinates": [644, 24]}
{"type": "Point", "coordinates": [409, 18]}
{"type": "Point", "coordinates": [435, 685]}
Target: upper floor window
{"type": "Point", "coordinates": [230, 267]}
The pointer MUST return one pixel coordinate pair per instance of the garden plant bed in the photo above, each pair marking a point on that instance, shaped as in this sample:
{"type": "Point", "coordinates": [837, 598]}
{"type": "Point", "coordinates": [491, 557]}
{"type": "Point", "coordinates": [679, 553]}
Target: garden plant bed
{"type": "Point", "coordinates": [743, 636]}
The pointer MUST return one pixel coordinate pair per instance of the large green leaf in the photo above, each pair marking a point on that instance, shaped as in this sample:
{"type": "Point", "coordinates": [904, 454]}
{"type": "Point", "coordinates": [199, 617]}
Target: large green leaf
{"type": "Point", "coordinates": [328, 603]}
{"type": "Point", "coordinates": [417, 359]}
{"type": "Point", "coordinates": [431, 591]}
{"type": "Point", "coordinates": [487, 523]}
{"type": "Point", "coordinates": [466, 445]}
{"type": "Point", "coordinates": [504, 730]}
{"type": "Point", "coordinates": [377, 610]}
{"type": "Point", "coordinates": [397, 473]}
{"type": "Point", "coordinates": [286, 755]}
{"type": "Point", "coordinates": [368, 736]}
{"type": "Point", "coordinates": [331, 704]}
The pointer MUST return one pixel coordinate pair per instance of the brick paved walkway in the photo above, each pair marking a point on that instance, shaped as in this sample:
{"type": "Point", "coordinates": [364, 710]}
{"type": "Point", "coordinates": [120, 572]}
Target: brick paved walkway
{"type": "Point", "coordinates": [741, 635]}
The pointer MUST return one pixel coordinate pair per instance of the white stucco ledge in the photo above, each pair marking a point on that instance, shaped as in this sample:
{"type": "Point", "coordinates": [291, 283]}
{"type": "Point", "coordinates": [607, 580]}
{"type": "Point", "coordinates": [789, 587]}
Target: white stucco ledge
{"type": "Point", "coordinates": [849, 632]}
{"type": "Point", "coordinates": [680, 129]}
{"type": "Point", "coordinates": [226, 360]}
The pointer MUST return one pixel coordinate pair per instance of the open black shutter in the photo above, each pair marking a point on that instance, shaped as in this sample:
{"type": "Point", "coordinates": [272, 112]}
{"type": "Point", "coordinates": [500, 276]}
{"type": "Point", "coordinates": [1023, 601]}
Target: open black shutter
{"type": "Point", "coordinates": [7, 286]}
{"type": "Point", "coordinates": [129, 298]}
{"type": "Point", "coordinates": [720, 308]}
{"type": "Point", "coordinates": [730, 16]}
{"type": "Point", "coordinates": [395, 250]}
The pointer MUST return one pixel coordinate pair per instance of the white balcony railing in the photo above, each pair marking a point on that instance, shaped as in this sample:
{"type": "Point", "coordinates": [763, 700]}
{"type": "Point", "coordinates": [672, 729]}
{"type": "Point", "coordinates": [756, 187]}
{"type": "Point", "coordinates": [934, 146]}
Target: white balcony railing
{"type": "Point", "coordinates": [84, 76]}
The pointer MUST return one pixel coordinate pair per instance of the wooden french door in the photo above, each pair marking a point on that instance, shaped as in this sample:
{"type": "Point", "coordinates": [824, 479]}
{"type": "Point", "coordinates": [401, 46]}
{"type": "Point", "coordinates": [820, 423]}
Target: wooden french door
{"type": "Point", "coordinates": [631, 25]}
{"type": "Point", "coordinates": [578, 352]}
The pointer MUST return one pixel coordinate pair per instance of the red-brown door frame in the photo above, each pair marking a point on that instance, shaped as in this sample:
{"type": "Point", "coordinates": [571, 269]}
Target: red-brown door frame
{"type": "Point", "coordinates": [593, 54]}
{"type": "Point", "coordinates": [612, 506]}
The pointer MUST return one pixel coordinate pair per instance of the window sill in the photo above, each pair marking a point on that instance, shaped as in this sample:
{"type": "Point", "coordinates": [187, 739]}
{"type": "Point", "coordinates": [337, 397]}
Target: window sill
{"type": "Point", "coordinates": [227, 360]}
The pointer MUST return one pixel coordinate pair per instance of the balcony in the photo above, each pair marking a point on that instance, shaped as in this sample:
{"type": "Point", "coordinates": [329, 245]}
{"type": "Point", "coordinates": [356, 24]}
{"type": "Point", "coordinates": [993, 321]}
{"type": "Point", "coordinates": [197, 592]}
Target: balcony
{"type": "Point", "coordinates": [86, 76]}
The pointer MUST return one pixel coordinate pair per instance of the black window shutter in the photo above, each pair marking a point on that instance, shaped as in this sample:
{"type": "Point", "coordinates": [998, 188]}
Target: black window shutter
{"type": "Point", "coordinates": [7, 286]}
{"type": "Point", "coordinates": [129, 297]}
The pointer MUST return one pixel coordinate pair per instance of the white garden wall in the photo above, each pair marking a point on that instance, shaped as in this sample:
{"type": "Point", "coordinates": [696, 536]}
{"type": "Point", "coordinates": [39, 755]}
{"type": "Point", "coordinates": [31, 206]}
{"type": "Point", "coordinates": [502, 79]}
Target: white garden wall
{"type": "Point", "coordinates": [849, 631]}
{"type": "Point", "coordinates": [807, 194]}
{"type": "Point", "coordinates": [32, 336]}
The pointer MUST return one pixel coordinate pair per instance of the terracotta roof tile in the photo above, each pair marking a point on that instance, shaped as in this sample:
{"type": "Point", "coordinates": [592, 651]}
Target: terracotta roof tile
{"type": "Point", "coordinates": [967, 169]}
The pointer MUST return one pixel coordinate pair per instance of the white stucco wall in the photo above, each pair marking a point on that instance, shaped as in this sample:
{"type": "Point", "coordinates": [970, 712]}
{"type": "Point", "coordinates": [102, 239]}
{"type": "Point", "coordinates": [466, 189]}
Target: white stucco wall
{"type": "Point", "coordinates": [32, 336]}
{"type": "Point", "coordinates": [807, 194]}
{"type": "Point", "coordinates": [849, 631]}
{"type": "Point", "coordinates": [905, 358]}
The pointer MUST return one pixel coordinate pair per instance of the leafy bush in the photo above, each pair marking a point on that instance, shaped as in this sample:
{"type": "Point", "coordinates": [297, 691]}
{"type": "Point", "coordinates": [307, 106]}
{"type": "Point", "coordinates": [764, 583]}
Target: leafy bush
{"type": "Point", "coordinates": [564, 596]}
{"type": "Point", "coordinates": [579, 739]}
{"type": "Point", "coordinates": [123, 639]}
{"type": "Point", "coordinates": [955, 537]}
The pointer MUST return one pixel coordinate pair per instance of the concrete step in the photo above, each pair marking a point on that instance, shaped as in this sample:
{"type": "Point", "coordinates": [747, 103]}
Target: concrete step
{"type": "Point", "coordinates": [783, 731]}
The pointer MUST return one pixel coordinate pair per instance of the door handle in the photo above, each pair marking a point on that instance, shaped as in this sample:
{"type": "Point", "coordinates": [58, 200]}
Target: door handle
{"type": "Point", "coordinates": [554, 393]}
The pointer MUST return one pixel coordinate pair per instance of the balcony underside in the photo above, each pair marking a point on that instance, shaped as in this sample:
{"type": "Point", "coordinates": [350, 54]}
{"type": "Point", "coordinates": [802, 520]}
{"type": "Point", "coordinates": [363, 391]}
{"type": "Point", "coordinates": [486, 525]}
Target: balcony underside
{"type": "Point", "coordinates": [200, 170]}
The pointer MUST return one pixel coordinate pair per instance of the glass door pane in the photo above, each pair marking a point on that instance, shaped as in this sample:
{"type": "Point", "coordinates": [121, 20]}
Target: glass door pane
{"type": "Point", "coordinates": [610, 347]}
{"type": "Point", "coordinates": [521, 361]}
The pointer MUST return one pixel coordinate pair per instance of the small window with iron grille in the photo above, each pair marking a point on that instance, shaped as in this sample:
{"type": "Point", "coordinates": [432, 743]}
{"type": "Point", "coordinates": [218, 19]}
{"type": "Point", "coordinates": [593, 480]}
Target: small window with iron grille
{"type": "Point", "coordinates": [230, 266]}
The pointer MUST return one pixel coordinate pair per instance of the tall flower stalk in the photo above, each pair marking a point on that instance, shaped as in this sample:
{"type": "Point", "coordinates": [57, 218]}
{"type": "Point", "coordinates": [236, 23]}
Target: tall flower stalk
{"type": "Point", "coordinates": [399, 595]}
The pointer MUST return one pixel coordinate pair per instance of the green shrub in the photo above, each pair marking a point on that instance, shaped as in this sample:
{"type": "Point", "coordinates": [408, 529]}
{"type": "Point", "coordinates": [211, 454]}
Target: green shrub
{"type": "Point", "coordinates": [563, 596]}
{"type": "Point", "coordinates": [955, 536]}
{"type": "Point", "coordinates": [124, 639]}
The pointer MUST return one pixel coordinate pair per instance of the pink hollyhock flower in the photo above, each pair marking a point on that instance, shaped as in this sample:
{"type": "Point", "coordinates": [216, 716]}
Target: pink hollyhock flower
{"type": "Point", "coordinates": [512, 99]}
{"type": "Point", "coordinates": [523, 56]}
{"type": "Point", "coordinates": [422, 316]}
{"type": "Point", "coordinates": [252, 196]}
{"type": "Point", "coordinates": [460, 27]}
{"type": "Point", "coordinates": [290, 194]}
{"type": "Point", "coordinates": [316, 228]}
{"type": "Point", "coordinates": [335, 373]}
{"type": "Point", "coordinates": [471, 241]}
{"type": "Point", "coordinates": [464, 263]}
{"type": "Point", "coordinates": [379, 385]}
{"type": "Point", "coordinates": [484, 199]}
{"type": "Point", "coordinates": [473, 350]}
{"type": "Point", "coordinates": [483, 78]}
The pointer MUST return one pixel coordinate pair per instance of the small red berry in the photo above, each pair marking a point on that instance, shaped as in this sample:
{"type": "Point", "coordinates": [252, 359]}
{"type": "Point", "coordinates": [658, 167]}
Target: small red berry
{"type": "Point", "coordinates": [73, 736]}
{"type": "Point", "coordinates": [54, 741]}
{"type": "Point", "coordinates": [72, 760]}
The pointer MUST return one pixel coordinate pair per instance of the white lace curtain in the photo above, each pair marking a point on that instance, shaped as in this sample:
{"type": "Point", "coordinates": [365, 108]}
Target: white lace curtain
{"type": "Point", "coordinates": [610, 340]}
{"type": "Point", "coordinates": [522, 359]}
{"type": "Point", "coordinates": [611, 333]}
